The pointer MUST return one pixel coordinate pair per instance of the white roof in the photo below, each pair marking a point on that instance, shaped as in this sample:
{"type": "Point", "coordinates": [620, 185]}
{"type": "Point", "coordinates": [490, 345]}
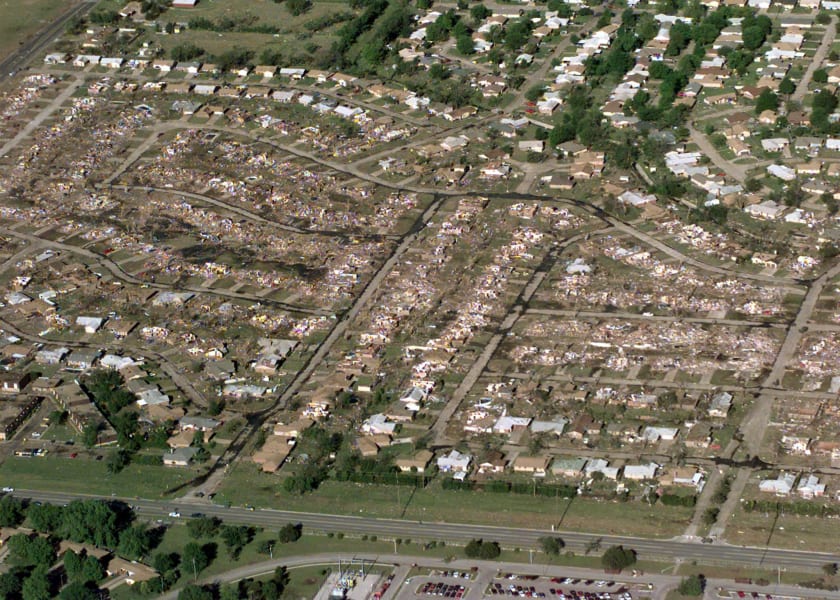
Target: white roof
{"type": "Point", "coordinates": [782, 485]}
{"type": "Point", "coordinates": [117, 362]}
{"type": "Point", "coordinates": [506, 423]}
{"type": "Point", "coordinates": [783, 172]}
{"type": "Point", "coordinates": [647, 471]}
{"type": "Point", "coordinates": [454, 461]}
{"type": "Point", "coordinates": [89, 322]}
{"type": "Point", "coordinates": [152, 397]}
{"type": "Point", "coordinates": [653, 434]}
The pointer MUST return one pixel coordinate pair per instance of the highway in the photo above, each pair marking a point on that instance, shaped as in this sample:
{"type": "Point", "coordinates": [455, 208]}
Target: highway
{"type": "Point", "coordinates": [717, 553]}
{"type": "Point", "coordinates": [19, 59]}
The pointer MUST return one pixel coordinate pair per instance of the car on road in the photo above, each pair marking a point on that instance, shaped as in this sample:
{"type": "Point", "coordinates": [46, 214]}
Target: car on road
{"type": "Point", "coordinates": [8, 490]}
{"type": "Point", "coordinates": [175, 514]}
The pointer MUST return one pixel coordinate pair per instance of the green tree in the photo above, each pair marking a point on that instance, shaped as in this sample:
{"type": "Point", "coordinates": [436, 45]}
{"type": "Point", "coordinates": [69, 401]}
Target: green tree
{"type": "Point", "coordinates": [787, 87]}
{"type": "Point", "coordinates": [165, 561]}
{"type": "Point", "coordinates": [659, 70]}
{"type": "Point", "coordinates": [305, 480]}
{"type": "Point", "coordinates": [290, 532]}
{"type": "Point", "coordinates": [298, 7]}
{"type": "Point", "coordinates": [235, 537]}
{"type": "Point", "coordinates": [90, 434]}
{"type": "Point", "coordinates": [551, 545]}
{"type": "Point", "coordinates": [229, 591]}
{"type": "Point", "coordinates": [820, 76]}
{"type": "Point", "coordinates": [203, 527]}
{"type": "Point", "coordinates": [37, 586]}
{"type": "Point", "coordinates": [215, 407]}
{"type": "Point", "coordinates": [79, 591]}
{"type": "Point", "coordinates": [195, 592]}
{"type": "Point", "coordinates": [617, 558]}
{"type": "Point", "coordinates": [752, 184]}
{"type": "Point", "coordinates": [534, 92]}
{"type": "Point", "coordinates": [45, 518]}
{"type": "Point", "coordinates": [767, 100]}
{"type": "Point", "coordinates": [479, 12]}
{"type": "Point", "coordinates": [478, 548]}
{"type": "Point", "coordinates": [194, 558]}
{"type": "Point", "coordinates": [710, 515]}
{"type": "Point", "coordinates": [830, 569]}
{"type": "Point", "coordinates": [753, 37]}
{"type": "Point", "coordinates": [464, 45]}
{"type": "Point", "coordinates": [11, 511]}
{"type": "Point", "coordinates": [58, 417]}
{"type": "Point", "coordinates": [30, 551]}
{"type": "Point", "coordinates": [118, 460]}
{"type": "Point", "coordinates": [91, 521]}
{"type": "Point", "coordinates": [11, 584]}
{"type": "Point", "coordinates": [135, 542]}
{"type": "Point", "coordinates": [666, 399]}
{"type": "Point", "coordinates": [691, 586]}
{"type": "Point", "coordinates": [830, 203]}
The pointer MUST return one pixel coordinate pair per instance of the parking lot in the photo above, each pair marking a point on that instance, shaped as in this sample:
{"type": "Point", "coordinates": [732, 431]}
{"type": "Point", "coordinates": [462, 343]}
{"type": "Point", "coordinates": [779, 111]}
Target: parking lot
{"type": "Point", "coordinates": [563, 588]}
{"type": "Point", "coordinates": [440, 584]}
{"type": "Point", "coordinates": [442, 589]}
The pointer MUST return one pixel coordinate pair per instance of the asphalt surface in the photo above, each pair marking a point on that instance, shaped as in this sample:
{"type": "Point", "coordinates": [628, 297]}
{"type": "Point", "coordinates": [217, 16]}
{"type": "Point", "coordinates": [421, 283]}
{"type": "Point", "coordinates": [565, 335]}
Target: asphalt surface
{"type": "Point", "coordinates": [487, 571]}
{"type": "Point", "coordinates": [19, 59]}
{"type": "Point", "coordinates": [716, 553]}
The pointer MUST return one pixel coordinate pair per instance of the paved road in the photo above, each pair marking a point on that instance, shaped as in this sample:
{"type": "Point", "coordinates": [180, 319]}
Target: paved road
{"type": "Point", "coordinates": [181, 382]}
{"type": "Point", "coordinates": [123, 276]}
{"type": "Point", "coordinates": [251, 216]}
{"type": "Point", "coordinates": [458, 532]}
{"type": "Point", "coordinates": [37, 43]}
{"type": "Point", "coordinates": [43, 115]}
{"type": "Point", "coordinates": [735, 171]}
{"type": "Point", "coordinates": [755, 423]}
{"type": "Point", "coordinates": [515, 311]}
{"type": "Point", "coordinates": [819, 57]}
{"type": "Point", "coordinates": [586, 314]}
{"type": "Point", "coordinates": [489, 570]}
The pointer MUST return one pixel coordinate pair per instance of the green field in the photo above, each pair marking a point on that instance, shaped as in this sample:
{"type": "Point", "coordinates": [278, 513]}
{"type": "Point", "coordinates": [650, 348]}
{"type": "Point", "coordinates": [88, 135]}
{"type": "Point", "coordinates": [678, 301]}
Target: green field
{"type": "Point", "coordinates": [19, 20]}
{"type": "Point", "coordinates": [83, 476]}
{"type": "Point", "coordinates": [246, 485]}
{"type": "Point", "coordinates": [791, 531]}
{"type": "Point", "coordinates": [305, 580]}
{"type": "Point", "coordinates": [293, 39]}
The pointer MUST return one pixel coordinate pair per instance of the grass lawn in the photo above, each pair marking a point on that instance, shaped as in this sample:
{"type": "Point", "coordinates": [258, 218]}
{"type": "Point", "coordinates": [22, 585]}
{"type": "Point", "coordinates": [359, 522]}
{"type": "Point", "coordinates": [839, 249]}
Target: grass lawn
{"type": "Point", "coordinates": [291, 37]}
{"type": "Point", "coordinates": [305, 580]}
{"type": "Point", "coordinates": [722, 572]}
{"type": "Point", "coordinates": [800, 533]}
{"type": "Point", "coordinates": [19, 20]}
{"type": "Point", "coordinates": [245, 485]}
{"type": "Point", "coordinates": [90, 477]}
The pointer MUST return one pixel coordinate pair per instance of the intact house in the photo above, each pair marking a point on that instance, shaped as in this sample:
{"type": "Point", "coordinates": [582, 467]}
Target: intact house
{"type": "Point", "coordinates": [535, 465]}
{"type": "Point", "coordinates": [781, 486]}
{"type": "Point", "coordinates": [414, 464]}
{"type": "Point", "coordinates": [454, 462]}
